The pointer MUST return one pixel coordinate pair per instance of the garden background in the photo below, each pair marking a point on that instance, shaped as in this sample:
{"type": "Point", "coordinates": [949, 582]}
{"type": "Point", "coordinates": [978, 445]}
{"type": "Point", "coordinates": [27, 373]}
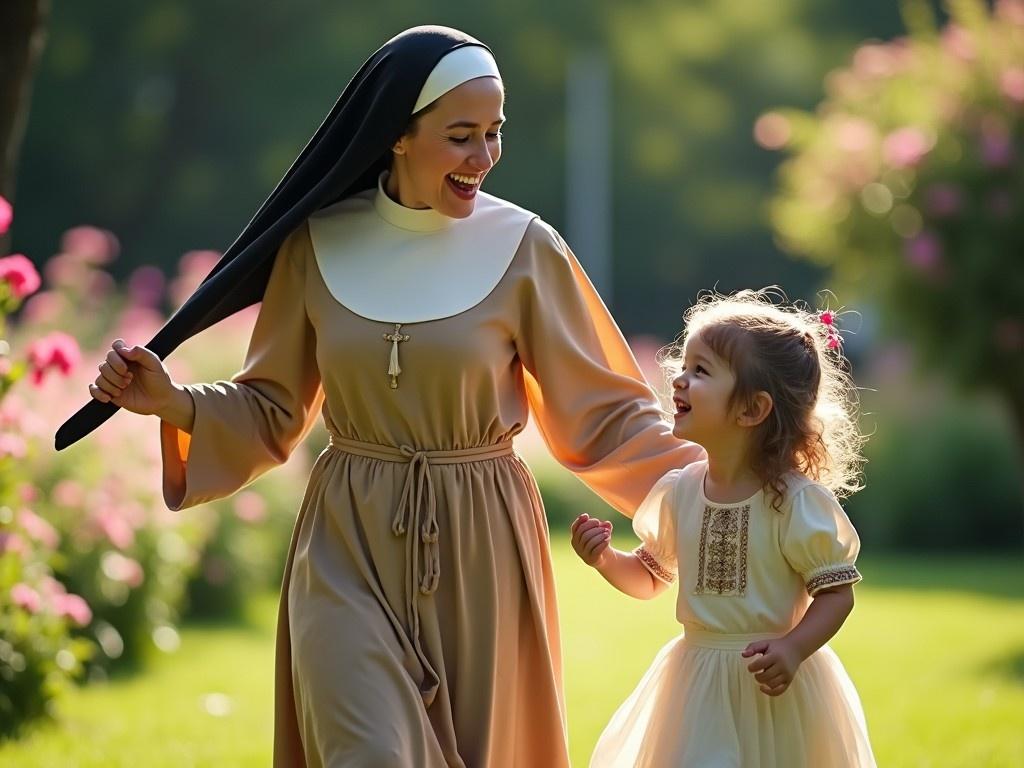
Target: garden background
{"type": "Point", "coordinates": [873, 149]}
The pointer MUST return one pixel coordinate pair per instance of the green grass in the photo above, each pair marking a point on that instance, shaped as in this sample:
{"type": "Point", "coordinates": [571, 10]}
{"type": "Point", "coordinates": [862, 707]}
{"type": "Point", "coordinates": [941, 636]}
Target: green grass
{"type": "Point", "coordinates": [936, 648]}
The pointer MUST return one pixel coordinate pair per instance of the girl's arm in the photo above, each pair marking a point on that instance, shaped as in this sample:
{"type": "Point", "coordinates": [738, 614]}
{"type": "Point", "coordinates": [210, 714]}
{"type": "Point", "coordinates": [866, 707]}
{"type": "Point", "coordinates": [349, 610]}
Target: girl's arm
{"type": "Point", "coordinates": [780, 659]}
{"type": "Point", "coordinates": [591, 538]}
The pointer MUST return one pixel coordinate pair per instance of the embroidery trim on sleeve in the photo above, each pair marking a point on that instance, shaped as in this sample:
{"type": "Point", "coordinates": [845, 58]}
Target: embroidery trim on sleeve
{"type": "Point", "coordinates": [654, 566]}
{"type": "Point", "coordinates": [722, 559]}
{"type": "Point", "coordinates": [846, 574]}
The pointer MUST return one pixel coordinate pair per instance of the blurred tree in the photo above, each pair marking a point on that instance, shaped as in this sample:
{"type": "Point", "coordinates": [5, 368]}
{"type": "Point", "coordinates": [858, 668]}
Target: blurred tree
{"type": "Point", "coordinates": [22, 30]}
{"type": "Point", "coordinates": [908, 181]}
{"type": "Point", "coordinates": [167, 122]}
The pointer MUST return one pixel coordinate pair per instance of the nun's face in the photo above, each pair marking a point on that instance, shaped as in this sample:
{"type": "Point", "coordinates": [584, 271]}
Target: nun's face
{"type": "Point", "coordinates": [442, 163]}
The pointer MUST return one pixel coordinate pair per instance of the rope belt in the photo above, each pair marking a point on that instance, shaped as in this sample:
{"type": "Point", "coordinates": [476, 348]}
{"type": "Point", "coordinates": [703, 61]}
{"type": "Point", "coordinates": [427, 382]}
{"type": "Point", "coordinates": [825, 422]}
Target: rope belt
{"type": "Point", "coordinates": [416, 515]}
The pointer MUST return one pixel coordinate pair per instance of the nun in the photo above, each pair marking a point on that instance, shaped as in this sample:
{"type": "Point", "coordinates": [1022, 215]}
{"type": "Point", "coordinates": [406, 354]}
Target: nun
{"type": "Point", "coordinates": [424, 321]}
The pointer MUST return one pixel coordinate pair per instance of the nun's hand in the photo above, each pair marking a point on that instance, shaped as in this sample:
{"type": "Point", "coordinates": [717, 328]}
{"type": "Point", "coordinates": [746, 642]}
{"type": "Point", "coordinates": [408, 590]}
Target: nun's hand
{"type": "Point", "coordinates": [133, 378]}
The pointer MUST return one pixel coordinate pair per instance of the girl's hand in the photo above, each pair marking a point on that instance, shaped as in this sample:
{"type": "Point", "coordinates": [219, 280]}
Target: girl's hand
{"type": "Point", "coordinates": [777, 665]}
{"type": "Point", "coordinates": [591, 539]}
{"type": "Point", "coordinates": [133, 378]}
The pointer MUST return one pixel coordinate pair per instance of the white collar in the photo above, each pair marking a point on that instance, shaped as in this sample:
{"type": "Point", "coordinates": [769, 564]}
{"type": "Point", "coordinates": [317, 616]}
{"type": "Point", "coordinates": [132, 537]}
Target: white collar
{"type": "Point", "coordinates": [411, 219]}
{"type": "Point", "coordinates": [394, 264]}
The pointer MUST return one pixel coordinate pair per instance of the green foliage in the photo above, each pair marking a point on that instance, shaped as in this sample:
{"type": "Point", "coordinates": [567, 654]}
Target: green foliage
{"type": "Point", "coordinates": [38, 654]}
{"type": "Point", "coordinates": [907, 180]}
{"type": "Point", "coordinates": [937, 690]}
{"type": "Point", "coordinates": [94, 568]}
{"type": "Point", "coordinates": [946, 480]}
{"type": "Point", "coordinates": [170, 122]}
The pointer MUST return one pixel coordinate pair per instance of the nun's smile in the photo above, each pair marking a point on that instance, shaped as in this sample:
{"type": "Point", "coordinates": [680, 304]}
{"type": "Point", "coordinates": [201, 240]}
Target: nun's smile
{"type": "Point", "coordinates": [450, 147]}
{"type": "Point", "coordinates": [464, 186]}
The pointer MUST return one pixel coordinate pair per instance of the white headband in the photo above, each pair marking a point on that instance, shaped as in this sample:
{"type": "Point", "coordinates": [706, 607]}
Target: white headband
{"type": "Point", "coordinates": [461, 65]}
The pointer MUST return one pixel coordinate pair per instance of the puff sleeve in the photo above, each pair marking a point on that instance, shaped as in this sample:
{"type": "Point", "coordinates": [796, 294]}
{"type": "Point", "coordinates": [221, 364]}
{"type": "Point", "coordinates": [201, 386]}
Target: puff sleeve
{"type": "Point", "coordinates": [818, 540]}
{"type": "Point", "coordinates": [655, 526]}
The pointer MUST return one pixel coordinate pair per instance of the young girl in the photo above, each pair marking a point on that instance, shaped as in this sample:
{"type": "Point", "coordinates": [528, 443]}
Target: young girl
{"type": "Point", "coordinates": [763, 552]}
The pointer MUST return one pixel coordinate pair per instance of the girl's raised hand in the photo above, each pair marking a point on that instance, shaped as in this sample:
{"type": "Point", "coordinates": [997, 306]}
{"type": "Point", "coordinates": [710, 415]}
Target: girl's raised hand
{"type": "Point", "coordinates": [591, 538]}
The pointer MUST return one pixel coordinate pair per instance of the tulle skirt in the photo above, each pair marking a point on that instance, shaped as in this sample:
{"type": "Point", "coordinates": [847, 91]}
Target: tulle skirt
{"type": "Point", "coordinates": [698, 706]}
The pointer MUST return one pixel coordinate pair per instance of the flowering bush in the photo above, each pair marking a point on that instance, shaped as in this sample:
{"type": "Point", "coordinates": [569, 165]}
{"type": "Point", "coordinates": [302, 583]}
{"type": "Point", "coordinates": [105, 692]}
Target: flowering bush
{"type": "Point", "coordinates": [908, 181]}
{"type": "Point", "coordinates": [38, 654]}
{"type": "Point", "coordinates": [94, 569]}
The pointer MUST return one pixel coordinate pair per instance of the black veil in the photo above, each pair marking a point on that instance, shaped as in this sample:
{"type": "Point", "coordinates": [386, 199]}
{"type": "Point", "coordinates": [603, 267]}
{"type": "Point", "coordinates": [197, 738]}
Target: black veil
{"type": "Point", "coordinates": [345, 156]}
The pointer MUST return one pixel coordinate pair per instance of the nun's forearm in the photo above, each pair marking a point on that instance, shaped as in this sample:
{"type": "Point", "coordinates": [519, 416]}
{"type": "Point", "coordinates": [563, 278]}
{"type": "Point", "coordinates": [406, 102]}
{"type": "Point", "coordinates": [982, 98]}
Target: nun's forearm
{"type": "Point", "coordinates": [180, 410]}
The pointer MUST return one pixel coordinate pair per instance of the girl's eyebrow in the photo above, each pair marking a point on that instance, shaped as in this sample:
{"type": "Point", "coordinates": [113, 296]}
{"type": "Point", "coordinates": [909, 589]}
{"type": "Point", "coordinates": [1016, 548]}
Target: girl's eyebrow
{"type": "Point", "coordinates": [699, 358]}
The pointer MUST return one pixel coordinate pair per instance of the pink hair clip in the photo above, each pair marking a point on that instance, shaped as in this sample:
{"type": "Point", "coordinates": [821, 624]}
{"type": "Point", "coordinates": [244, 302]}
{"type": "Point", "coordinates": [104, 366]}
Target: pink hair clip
{"type": "Point", "coordinates": [828, 319]}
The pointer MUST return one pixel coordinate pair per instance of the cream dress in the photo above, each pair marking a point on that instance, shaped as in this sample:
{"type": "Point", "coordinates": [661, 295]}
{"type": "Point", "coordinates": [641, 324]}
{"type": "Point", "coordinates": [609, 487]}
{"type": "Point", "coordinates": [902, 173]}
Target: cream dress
{"type": "Point", "coordinates": [418, 624]}
{"type": "Point", "coordinates": [745, 572]}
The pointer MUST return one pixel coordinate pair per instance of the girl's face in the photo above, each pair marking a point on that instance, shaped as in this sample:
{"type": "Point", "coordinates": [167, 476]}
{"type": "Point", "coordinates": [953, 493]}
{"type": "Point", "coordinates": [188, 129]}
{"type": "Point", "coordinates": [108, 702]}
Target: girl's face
{"type": "Point", "coordinates": [701, 395]}
{"type": "Point", "coordinates": [442, 163]}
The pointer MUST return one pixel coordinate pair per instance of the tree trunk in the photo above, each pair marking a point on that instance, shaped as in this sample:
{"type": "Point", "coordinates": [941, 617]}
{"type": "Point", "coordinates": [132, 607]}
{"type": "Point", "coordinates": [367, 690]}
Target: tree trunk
{"type": "Point", "coordinates": [22, 34]}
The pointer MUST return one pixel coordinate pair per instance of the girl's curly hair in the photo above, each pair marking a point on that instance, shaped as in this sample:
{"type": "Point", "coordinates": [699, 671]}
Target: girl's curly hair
{"type": "Point", "coordinates": [786, 350]}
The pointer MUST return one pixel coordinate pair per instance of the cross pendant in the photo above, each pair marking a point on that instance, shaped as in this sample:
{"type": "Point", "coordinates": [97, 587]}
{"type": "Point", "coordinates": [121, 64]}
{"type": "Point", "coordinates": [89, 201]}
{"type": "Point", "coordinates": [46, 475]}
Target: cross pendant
{"type": "Point", "coordinates": [395, 338]}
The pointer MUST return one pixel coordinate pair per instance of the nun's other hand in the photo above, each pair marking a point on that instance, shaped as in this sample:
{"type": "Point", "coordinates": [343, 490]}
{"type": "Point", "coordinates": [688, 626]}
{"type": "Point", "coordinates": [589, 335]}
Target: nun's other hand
{"type": "Point", "coordinates": [133, 378]}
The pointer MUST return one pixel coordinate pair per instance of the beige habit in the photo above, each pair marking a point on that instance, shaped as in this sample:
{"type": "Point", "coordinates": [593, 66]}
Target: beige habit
{"type": "Point", "coordinates": [417, 624]}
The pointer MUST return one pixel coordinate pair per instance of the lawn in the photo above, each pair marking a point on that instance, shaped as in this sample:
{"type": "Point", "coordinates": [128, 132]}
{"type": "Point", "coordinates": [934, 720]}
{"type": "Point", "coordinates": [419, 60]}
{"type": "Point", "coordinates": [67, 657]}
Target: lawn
{"type": "Point", "coordinates": [936, 648]}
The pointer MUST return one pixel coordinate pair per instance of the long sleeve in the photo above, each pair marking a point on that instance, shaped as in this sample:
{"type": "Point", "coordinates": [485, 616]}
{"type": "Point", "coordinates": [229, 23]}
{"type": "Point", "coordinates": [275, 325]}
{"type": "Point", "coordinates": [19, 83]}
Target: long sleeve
{"type": "Point", "coordinates": [597, 413]}
{"type": "Point", "coordinates": [250, 424]}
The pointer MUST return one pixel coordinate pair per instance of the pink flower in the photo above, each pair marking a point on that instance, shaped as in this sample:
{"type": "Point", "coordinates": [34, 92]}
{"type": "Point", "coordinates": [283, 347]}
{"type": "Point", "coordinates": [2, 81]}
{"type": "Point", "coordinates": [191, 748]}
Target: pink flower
{"type": "Point", "coordinates": [828, 318]}
{"type": "Point", "coordinates": [90, 244]}
{"type": "Point", "coordinates": [23, 596]}
{"type": "Point", "coordinates": [116, 528]}
{"type": "Point", "coordinates": [74, 608]}
{"type": "Point", "coordinates": [1011, 11]}
{"type": "Point", "coordinates": [69, 493]}
{"type": "Point", "coordinates": [6, 215]}
{"type": "Point", "coordinates": [39, 529]}
{"type": "Point", "coordinates": [123, 569]}
{"type": "Point", "coordinates": [138, 321]}
{"type": "Point", "coordinates": [834, 340]}
{"type": "Point", "coordinates": [64, 270]}
{"type": "Point", "coordinates": [100, 285]}
{"type": "Point", "coordinates": [854, 134]}
{"type": "Point", "coordinates": [995, 145]}
{"type": "Point", "coordinates": [45, 308]}
{"type": "Point", "coordinates": [1011, 83]}
{"type": "Point", "coordinates": [193, 267]}
{"type": "Point", "coordinates": [924, 253]}
{"type": "Point", "coordinates": [958, 42]}
{"type": "Point", "coordinates": [146, 286]}
{"type": "Point", "coordinates": [20, 274]}
{"type": "Point", "coordinates": [943, 200]}
{"type": "Point", "coordinates": [55, 350]}
{"type": "Point", "coordinates": [250, 507]}
{"type": "Point", "coordinates": [904, 148]}
{"type": "Point", "coordinates": [875, 60]}
{"type": "Point", "coordinates": [772, 130]}
{"type": "Point", "coordinates": [13, 543]}
{"type": "Point", "coordinates": [13, 445]}
{"type": "Point", "coordinates": [50, 588]}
